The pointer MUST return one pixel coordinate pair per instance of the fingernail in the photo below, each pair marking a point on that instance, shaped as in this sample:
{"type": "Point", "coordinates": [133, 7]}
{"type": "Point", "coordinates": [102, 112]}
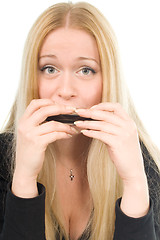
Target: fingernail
{"type": "Point", "coordinates": [80, 110]}
{"type": "Point", "coordinates": [93, 106]}
{"type": "Point", "coordinates": [84, 131]}
{"type": "Point", "coordinates": [69, 135]}
{"type": "Point", "coordinates": [74, 130]}
{"type": "Point", "coordinates": [78, 122]}
{"type": "Point", "coordinates": [70, 108]}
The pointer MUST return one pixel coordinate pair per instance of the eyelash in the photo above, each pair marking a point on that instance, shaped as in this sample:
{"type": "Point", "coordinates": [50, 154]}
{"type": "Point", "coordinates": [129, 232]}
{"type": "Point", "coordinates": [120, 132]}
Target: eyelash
{"type": "Point", "coordinates": [86, 68]}
{"type": "Point", "coordinates": [46, 67]}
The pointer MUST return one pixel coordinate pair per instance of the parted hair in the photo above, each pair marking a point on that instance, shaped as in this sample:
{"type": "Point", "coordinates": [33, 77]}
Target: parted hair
{"type": "Point", "coordinates": [105, 184]}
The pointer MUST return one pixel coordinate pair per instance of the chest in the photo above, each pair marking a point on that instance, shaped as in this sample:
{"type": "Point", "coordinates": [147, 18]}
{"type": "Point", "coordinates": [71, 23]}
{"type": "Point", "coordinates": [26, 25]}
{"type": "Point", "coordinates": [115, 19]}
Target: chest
{"type": "Point", "coordinates": [75, 204]}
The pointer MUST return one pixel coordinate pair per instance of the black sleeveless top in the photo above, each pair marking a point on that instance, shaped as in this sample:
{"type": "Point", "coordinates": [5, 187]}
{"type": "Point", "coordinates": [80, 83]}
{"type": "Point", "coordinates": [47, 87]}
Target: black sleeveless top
{"type": "Point", "coordinates": [25, 218]}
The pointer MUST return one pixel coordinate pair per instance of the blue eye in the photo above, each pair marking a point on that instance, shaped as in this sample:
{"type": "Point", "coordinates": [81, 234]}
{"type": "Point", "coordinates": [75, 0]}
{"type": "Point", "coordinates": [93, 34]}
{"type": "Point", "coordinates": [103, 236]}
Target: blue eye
{"type": "Point", "coordinates": [49, 69]}
{"type": "Point", "coordinates": [86, 71]}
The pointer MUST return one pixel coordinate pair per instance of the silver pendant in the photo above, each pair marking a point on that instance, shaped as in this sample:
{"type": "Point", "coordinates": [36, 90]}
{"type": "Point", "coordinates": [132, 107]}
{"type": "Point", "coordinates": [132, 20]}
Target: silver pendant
{"type": "Point", "coordinates": [71, 175]}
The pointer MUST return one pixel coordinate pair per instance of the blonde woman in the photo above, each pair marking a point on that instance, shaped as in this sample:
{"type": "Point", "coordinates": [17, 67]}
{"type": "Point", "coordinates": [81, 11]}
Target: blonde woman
{"type": "Point", "coordinates": [97, 178]}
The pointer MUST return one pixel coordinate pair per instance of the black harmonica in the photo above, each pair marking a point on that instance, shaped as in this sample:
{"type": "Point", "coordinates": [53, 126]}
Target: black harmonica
{"type": "Point", "coordinates": [67, 118]}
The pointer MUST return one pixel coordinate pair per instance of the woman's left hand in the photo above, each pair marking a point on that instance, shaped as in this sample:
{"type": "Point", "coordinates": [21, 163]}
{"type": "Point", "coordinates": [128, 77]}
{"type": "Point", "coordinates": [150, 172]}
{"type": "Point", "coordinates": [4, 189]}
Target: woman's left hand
{"type": "Point", "coordinates": [118, 131]}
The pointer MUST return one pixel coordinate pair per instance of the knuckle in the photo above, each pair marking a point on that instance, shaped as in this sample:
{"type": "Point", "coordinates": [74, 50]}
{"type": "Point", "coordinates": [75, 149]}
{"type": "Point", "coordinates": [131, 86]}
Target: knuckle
{"type": "Point", "coordinates": [55, 135]}
{"type": "Point", "coordinates": [52, 124]}
{"type": "Point", "coordinates": [118, 105]}
{"type": "Point", "coordinates": [61, 127]}
{"type": "Point", "coordinates": [132, 128]}
{"type": "Point", "coordinates": [29, 136]}
{"type": "Point", "coordinates": [34, 141]}
{"type": "Point", "coordinates": [44, 143]}
{"type": "Point", "coordinates": [42, 110]}
{"type": "Point", "coordinates": [133, 125]}
{"type": "Point", "coordinates": [92, 114]}
{"type": "Point", "coordinates": [21, 127]}
{"type": "Point", "coordinates": [34, 102]}
{"type": "Point", "coordinates": [127, 134]}
{"type": "Point", "coordinates": [67, 128]}
{"type": "Point", "coordinates": [47, 101]}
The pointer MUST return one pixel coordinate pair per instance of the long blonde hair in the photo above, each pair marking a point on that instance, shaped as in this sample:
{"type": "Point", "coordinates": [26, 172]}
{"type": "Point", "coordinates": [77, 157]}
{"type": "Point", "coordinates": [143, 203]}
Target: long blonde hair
{"type": "Point", "coordinates": [104, 182]}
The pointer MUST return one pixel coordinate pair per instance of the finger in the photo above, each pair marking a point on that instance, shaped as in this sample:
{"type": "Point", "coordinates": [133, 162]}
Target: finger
{"type": "Point", "coordinates": [52, 126]}
{"type": "Point", "coordinates": [36, 104]}
{"type": "Point", "coordinates": [98, 126]}
{"type": "Point", "coordinates": [100, 115]}
{"type": "Point", "coordinates": [40, 115]}
{"type": "Point", "coordinates": [104, 137]}
{"type": "Point", "coordinates": [53, 136]}
{"type": "Point", "coordinates": [116, 108]}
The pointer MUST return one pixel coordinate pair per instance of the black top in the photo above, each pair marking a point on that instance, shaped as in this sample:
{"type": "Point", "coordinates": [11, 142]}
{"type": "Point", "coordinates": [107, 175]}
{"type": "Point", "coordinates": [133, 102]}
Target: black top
{"type": "Point", "coordinates": [24, 219]}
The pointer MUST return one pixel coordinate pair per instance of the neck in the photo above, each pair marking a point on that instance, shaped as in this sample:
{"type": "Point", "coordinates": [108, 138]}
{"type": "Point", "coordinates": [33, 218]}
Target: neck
{"type": "Point", "coordinates": [73, 152]}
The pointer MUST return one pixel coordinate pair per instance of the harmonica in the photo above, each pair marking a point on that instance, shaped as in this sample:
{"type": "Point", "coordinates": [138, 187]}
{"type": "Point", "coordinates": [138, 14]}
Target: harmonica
{"type": "Point", "coordinates": [67, 118]}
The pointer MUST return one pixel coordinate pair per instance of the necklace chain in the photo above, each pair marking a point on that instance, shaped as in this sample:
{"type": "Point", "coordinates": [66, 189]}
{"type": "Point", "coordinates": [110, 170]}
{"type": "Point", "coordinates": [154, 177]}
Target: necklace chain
{"type": "Point", "coordinates": [71, 175]}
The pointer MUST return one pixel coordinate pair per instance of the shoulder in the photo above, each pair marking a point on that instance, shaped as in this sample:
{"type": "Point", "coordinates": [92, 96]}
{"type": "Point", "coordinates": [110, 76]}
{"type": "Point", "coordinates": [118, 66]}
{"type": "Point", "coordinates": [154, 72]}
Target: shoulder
{"type": "Point", "coordinates": [5, 137]}
{"type": "Point", "coordinates": [151, 168]}
{"type": "Point", "coordinates": [6, 140]}
{"type": "Point", "coordinates": [153, 178]}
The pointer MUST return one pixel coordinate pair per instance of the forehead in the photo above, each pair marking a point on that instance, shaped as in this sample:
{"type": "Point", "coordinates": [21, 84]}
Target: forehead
{"type": "Point", "coordinates": [73, 41]}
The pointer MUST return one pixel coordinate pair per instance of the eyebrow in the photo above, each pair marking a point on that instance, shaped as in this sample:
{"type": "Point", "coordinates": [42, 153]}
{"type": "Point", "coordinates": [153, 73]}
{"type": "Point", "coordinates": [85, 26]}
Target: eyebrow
{"type": "Point", "coordinates": [79, 58]}
{"type": "Point", "coordinates": [48, 55]}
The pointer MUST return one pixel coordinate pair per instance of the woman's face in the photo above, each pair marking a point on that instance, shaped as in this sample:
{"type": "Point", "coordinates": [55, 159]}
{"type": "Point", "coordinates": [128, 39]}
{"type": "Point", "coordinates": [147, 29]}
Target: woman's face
{"type": "Point", "coordinates": [69, 70]}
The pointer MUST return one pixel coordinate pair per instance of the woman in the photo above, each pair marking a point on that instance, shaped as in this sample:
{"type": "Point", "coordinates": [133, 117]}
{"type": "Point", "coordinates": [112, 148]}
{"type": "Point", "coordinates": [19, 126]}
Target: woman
{"type": "Point", "coordinates": [95, 179]}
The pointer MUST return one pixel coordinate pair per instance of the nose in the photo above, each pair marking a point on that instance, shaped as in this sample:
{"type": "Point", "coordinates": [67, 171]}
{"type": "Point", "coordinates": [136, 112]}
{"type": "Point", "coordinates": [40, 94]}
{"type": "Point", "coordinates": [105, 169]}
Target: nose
{"type": "Point", "coordinates": [66, 88]}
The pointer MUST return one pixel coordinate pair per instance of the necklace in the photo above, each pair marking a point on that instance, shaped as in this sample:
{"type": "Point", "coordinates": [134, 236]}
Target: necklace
{"type": "Point", "coordinates": [71, 175]}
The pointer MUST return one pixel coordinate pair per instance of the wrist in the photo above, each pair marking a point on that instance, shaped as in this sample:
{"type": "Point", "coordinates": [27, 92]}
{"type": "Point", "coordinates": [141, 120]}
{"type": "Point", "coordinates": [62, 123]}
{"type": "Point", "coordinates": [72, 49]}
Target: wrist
{"type": "Point", "coordinates": [135, 198]}
{"type": "Point", "coordinates": [136, 181]}
{"type": "Point", "coordinates": [24, 186]}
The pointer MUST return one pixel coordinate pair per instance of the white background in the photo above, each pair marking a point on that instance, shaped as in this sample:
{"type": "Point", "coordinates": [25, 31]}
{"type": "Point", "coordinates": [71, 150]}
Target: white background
{"type": "Point", "coordinates": [137, 27]}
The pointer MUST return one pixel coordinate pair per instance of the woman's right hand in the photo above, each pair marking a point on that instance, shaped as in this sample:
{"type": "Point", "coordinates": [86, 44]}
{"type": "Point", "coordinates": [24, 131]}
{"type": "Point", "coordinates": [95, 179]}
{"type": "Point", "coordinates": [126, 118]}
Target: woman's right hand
{"type": "Point", "coordinates": [33, 137]}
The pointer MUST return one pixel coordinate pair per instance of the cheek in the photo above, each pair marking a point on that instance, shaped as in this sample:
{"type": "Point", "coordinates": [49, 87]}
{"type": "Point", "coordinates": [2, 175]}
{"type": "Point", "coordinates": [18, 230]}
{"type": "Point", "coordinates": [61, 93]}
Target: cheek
{"type": "Point", "coordinates": [93, 94]}
{"type": "Point", "coordinates": [44, 90]}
